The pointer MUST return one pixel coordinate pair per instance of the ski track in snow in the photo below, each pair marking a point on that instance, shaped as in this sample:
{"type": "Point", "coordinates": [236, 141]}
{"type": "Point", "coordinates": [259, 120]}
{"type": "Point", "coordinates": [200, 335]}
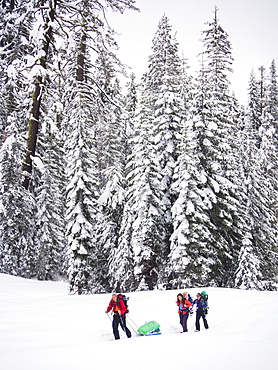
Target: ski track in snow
{"type": "Point", "coordinates": [42, 327]}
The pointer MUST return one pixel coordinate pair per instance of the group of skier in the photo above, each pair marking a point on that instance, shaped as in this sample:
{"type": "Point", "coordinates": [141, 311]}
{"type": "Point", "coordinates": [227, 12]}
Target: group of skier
{"type": "Point", "coordinates": [184, 302]}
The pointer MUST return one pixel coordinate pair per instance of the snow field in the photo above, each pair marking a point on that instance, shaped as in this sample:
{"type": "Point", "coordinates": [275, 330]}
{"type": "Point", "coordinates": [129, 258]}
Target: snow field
{"type": "Point", "coordinates": [42, 327]}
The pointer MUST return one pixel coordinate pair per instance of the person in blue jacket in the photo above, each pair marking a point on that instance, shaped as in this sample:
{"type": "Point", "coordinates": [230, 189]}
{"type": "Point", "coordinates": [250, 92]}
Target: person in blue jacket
{"type": "Point", "coordinates": [202, 306]}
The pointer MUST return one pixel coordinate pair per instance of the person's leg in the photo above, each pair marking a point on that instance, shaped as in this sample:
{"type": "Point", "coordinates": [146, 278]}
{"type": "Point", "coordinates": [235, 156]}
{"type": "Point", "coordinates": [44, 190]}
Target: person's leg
{"type": "Point", "coordinates": [181, 319]}
{"type": "Point", "coordinates": [205, 321]}
{"type": "Point", "coordinates": [198, 320]}
{"type": "Point", "coordinates": [115, 325]}
{"type": "Point", "coordinates": [124, 327]}
{"type": "Point", "coordinates": [184, 324]}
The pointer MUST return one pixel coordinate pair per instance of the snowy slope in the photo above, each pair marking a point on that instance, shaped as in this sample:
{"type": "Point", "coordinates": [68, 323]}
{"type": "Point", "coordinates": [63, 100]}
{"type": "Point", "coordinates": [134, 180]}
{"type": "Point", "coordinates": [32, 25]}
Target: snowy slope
{"type": "Point", "coordinates": [42, 327]}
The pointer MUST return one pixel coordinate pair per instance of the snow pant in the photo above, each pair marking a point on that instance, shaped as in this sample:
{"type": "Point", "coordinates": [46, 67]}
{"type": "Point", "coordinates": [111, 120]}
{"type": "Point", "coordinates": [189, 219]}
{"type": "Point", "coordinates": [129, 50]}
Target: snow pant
{"type": "Point", "coordinates": [117, 319]}
{"type": "Point", "coordinates": [200, 313]}
{"type": "Point", "coordinates": [183, 321]}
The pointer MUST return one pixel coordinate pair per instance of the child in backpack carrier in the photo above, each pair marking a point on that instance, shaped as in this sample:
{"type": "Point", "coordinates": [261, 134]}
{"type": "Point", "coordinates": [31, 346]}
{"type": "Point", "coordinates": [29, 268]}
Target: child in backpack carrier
{"type": "Point", "coordinates": [119, 309]}
{"type": "Point", "coordinates": [205, 298]}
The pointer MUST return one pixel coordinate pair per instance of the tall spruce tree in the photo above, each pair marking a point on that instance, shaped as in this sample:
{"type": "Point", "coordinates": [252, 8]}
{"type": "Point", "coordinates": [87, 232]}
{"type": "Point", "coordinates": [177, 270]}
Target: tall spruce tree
{"type": "Point", "coordinates": [257, 267]}
{"type": "Point", "coordinates": [90, 32]}
{"type": "Point", "coordinates": [17, 225]}
{"type": "Point", "coordinates": [147, 216]}
{"type": "Point", "coordinates": [44, 40]}
{"type": "Point", "coordinates": [216, 124]}
{"type": "Point", "coordinates": [81, 190]}
{"type": "Point", "coordinates": [49, 192]}
{"type": "Point", "coordinates": [121, 257]}
{"type": "Point", "coordinates": [187, 264]}
{"type": "Point", "coordinates": [111, 158]}
{"type": "Point", "coordinates": [267, 159]}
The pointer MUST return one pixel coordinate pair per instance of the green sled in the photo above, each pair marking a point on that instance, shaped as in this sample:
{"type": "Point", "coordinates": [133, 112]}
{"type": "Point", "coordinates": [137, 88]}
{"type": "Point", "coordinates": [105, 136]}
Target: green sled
{"type": "Point", "coordinates": [150, 327]}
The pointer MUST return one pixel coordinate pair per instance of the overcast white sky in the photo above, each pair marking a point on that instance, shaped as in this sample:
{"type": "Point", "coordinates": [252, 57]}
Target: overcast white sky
{"type": "Point", "coordinates": [252, 26]}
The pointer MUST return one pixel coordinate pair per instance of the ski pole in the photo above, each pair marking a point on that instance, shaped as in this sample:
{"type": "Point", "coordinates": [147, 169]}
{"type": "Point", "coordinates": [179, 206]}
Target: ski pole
{"type": "Point", "coordinates": [132, 328]}
{"type": "Point", "coordinates": [109, 317]}
{"type": "Point", "coordinates": [133, 322]}
{"type": "Point", "coordinates": [123, 326]}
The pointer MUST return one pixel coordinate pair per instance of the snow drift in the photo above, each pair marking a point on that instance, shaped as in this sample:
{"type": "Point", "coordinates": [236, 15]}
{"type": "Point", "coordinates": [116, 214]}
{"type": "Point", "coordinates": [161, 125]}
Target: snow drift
{"type": "Point", "coordinates": [42, 327]}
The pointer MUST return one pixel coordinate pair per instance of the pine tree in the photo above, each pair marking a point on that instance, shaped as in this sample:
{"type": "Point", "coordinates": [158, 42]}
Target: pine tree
{"type": "Point", "coordinates": [111, 156]}
{"type": "Point", "coordinates": [216, 124]}
{"type": "Point", "coordinates": [267, 159]}
{"type": "Point", "coordinates": [39, 73]}
{"type": "Point", "coordinates": [80, 169]}
{"type": "Point", "coordinates": [129, 115]}
{"type": "Point", "coordinates": [50, 223]}
{"type": "Point", "coordinates": [15, 46]}
{"type": "Point", "coordinates": [248, 274]}
{"type": "Point", "coordinates": [187, 264]}
{"type": "Point", "coordinates": [147, 217]}
{"type": "Point", "coordinates": [17, 228]}
{"type": "Point", "coordinates": [121, 257]}
{"type": "Point", "coordinates": [272, 101]}
{"type": "Point", "coordinates": [257, 267]}
{"type": "Point", "coordinates": [86, 168]}
{"type": "Point", "coordinates": [18, 254]}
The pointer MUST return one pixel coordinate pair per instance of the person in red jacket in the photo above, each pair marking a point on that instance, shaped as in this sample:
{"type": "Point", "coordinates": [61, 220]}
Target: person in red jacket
{"type": "Point", "coordinates": [184, 308]}
{"type": "Point", "coordinates": [119, 309]}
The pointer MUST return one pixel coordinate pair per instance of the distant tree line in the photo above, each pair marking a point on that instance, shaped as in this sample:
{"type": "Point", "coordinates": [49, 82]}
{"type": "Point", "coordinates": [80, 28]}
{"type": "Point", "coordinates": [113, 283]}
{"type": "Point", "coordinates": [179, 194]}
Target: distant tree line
{"type": "Point", "coordinates": [170, 184]}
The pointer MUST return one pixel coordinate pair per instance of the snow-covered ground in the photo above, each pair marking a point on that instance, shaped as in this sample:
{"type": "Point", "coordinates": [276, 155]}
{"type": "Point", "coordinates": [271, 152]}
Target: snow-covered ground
{"type": "Point", "coordinates": [42, 327]}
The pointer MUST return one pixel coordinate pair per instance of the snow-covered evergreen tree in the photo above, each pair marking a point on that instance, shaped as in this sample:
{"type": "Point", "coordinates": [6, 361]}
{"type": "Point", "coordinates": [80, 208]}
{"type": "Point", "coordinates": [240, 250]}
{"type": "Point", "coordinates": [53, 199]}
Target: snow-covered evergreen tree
{"type": "Point", "coordinates": [18, 254]}
{"type": "Point", "coordinates": [187, 265]}
{"type": "Point", "coordinates": [257, 266]}
{"type": "Point", "coordinates": [16, 24]}
{"type": "Point", "coordinates": [81, 189]}
{"type": "Point", "coordinates": [39, 65]}
{"type": "Point", "coordinates": [17, 208]}
{"type": "Point", "coordinates": [147, 215]}
{"type": "Point", "coordinates": [111, 158]}
{"type": "Point", "coordinates": [87, 170]}
{"type": "Point", "coordinates": [130, 106]}
{"type": "Point", "coordinates": [248, 274]}
{"type": "Point", "coordinates": [215, 127]}
{"type": "Point", "coordinates": [253, 107]}
{"type": "Point", "coordinates": [50, 221]}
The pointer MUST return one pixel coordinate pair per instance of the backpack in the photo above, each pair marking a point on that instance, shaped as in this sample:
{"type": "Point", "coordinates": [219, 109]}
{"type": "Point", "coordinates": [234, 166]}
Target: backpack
{"type": "Point", "coordinates": [205, 298]}
{"type": "Point", "coordinates": [124, 299]}
{"type": "Point", "coordinates": [189, 298]}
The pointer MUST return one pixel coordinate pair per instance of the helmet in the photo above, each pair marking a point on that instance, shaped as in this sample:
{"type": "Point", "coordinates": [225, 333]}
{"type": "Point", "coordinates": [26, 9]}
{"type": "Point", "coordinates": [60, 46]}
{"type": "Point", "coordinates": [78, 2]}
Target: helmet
{"type": "Point", "coordinates": [203, 292]}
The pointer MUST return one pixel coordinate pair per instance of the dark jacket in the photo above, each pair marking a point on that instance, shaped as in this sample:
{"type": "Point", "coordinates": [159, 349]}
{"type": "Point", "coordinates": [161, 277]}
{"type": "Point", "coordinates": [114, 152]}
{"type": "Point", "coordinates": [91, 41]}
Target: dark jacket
{"type": "Point", "coordinates": [200, 303]}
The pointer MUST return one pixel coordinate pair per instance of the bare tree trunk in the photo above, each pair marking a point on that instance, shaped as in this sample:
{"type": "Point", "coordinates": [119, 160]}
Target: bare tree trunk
{"type": "Point", "coordinates": [81, 60]}
{"type": "Point", "coordinates": [33, 124]}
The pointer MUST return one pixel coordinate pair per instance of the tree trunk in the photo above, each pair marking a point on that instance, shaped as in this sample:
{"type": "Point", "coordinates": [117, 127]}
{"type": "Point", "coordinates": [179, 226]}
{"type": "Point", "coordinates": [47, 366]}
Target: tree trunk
{"type": "Point", "coordinates": [33, 124]}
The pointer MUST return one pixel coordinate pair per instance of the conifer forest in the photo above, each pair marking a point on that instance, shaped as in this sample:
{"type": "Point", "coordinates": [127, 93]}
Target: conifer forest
{"type": "Point", "coordinates": [167, 182]}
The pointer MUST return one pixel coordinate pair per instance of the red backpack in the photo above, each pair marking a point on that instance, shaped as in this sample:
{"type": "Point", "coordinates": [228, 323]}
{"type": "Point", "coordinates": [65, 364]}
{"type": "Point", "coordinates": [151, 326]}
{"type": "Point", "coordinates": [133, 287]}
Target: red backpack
{"type": "Point", "coordinates": [124, 299]}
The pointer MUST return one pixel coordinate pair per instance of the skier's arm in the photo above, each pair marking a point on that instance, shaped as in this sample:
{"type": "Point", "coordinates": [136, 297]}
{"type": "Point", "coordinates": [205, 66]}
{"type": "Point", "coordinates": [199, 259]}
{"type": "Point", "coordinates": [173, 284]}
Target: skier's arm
{"type": "Point", "coordinates": [109, 308]}
{"type": "Point", "coordinates": [122, 307]}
